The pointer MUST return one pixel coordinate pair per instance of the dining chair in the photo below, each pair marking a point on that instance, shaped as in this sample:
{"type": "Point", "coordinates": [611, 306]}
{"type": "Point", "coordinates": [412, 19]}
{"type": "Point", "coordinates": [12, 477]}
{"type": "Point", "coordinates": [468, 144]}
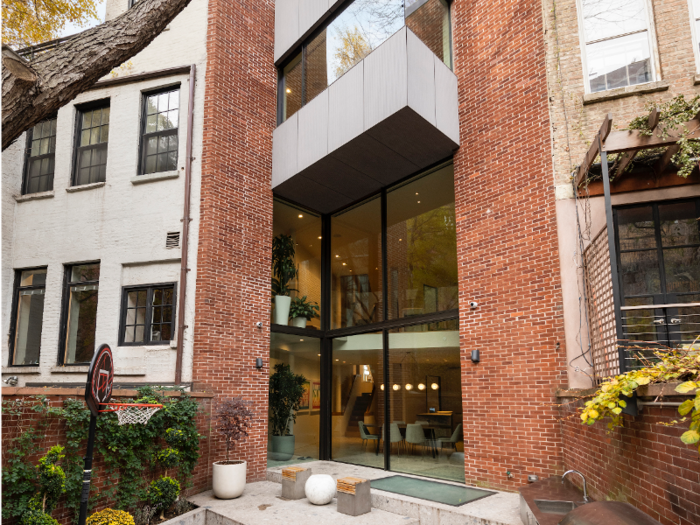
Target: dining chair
{"type": "Point", "coordinates": [415, 436]}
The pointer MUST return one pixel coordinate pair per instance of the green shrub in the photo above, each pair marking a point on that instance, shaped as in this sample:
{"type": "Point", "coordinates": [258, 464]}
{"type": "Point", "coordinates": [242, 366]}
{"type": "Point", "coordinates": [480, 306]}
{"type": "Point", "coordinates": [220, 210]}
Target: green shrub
{"type": "Point", "coordinates": [110, 517]}
{"type": "Point", "coordinates": [167, 458]}
{"type": "Point", "coordinates": [163, 492]}
{"type": "Point", "coordinates": [175, 437]}
{"type": "Point", "coordinates": [35, 516]}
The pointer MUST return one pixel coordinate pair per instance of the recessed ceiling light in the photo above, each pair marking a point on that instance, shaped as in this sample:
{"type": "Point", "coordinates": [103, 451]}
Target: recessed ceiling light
{"type": "Point", "coordinates": [400, 240]}
{"type": "Point", "coordinates": [337, 256]}
{"type": "Point", "coordinates": [418, 202]}
{"type": "Point", "coordinates": [301, 340]}
{"type": "Point", "coordinates": [416, 193]}
{"type": "Point", "coordinates": [289, 90]}
{"type": "Point", "coordinates": [337, 359]}
{"type": "Point", "coordinates": [319, 355]}
{"type": "Point", "coordinates": [301, 216]}
{"type": "Point", "coordinates": [345, 264]}
{"type": "Point", "coordinates": [319, 236]}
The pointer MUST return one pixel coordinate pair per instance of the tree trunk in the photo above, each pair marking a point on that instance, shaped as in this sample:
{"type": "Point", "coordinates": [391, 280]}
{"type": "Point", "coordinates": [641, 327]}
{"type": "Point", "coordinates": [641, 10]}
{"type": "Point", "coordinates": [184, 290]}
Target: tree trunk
{"type": "Point", "coordinates": [33, 91]}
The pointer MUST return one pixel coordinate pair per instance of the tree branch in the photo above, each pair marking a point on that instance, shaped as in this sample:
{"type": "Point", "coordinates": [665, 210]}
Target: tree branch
{"type": "Point", "coordinates": [64, 72]}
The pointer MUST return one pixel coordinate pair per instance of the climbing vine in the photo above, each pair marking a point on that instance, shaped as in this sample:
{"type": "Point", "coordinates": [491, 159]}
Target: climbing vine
{"type": "Point", "coordinates": [673, 365]}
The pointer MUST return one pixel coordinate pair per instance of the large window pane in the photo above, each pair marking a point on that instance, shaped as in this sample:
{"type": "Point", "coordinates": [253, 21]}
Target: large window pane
{"type": "Point", "coordinates": [81, 317]}
{"type": "Point", "coordinates": [422, 245]}
{"type": "Point", "coordinates": [356, 269]}
{"type": "Point", "coordinates": [679, 224]}
{"type": "Point", "coordinates": [291, 98]}
{"type": "Point", "coordinates": [425, 400]}
{"type": "Point", "coordinates": [619, 62]}
{"type": "Point", "coordinates": [636, 228]}
{"type": "Point", "coordinates": [357, 402]}
{"type": "Point", "coordinates": [291, 357]}
{"type": "Point", "coordinates": [609, 18]}
{"type": "Point", "coordinates": [640, 273]}
{"type": "Point", "coordinates": [430, 21]}
{"type": "Point", "coordinates": [41, 150]}
{"type": "Point", "coordinates": [30, 315]}
{"type": "Point", "coordinates": [682, 266]}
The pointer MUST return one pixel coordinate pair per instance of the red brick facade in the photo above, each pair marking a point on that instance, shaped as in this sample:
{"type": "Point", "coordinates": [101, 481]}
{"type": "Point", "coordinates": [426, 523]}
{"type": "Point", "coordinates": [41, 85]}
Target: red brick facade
{"type": "Point", "coordinates": [507, 245]}
{"type": "Point", "coordinates": [235, 236]}
{"type": "Point", "coordinates": [644, 463]}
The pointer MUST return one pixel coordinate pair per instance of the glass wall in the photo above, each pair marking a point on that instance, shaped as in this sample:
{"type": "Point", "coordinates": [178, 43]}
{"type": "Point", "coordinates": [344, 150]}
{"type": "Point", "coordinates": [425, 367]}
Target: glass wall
{"type": "Point", "coordinates": [422, 245]}
{"type": "Point", "coordinates": [356, 265]}
{"type": "Point", "coordinates": [294, 361]}
{"type": "Point", "coordinates": [352, 35]}
{"type": "Point", "coordinates": [299, 231]}
{"type": "Point", "coordinates": [357, 403]}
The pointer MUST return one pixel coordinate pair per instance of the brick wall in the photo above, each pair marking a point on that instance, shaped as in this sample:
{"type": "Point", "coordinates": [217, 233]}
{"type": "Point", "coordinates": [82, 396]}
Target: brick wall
{"type": "Point", "coordinates": [235, 241]}
{"type": "Point", "coordinates": [507, 245]}
{"type": "Point", "coordinates": [13, 426]}
{"type": "Point", "coordinates": [644, 463]}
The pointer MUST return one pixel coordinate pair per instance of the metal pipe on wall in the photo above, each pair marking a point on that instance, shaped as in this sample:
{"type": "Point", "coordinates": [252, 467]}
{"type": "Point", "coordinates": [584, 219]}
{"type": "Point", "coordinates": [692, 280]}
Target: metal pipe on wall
{"type": "Point", "coordinates": [185, 230]}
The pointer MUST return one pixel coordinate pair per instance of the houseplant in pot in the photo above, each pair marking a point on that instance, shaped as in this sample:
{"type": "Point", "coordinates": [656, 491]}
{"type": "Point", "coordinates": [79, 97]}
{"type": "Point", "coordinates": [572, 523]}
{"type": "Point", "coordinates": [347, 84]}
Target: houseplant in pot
{"type": "Point", "coordinates": [283, 272]}
{"type": "Point", "coordinates": [286, 391]}
{"type": "Point", "coordinates": [302, 311]}
{"type": "Point", "coordinates": [233, 419]}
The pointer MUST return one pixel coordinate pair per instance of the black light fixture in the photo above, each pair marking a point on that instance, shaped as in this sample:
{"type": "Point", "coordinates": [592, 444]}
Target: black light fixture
{"type": "Point", "coordinates": [475, 356]}
{"type": "Point", "coordinates": [258, 363]}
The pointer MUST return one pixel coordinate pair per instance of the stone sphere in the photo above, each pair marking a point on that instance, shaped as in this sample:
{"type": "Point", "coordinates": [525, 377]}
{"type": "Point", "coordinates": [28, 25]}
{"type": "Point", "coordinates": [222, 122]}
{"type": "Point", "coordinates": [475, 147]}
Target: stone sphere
{"type": "Point", "coordinates": [320, 489]}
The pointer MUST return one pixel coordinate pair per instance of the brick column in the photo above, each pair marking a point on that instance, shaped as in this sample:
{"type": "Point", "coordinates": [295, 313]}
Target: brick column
{"type": "Point", "coordinates": [507, 245]}
{"type": "Point", "coordinates": [235, 236]}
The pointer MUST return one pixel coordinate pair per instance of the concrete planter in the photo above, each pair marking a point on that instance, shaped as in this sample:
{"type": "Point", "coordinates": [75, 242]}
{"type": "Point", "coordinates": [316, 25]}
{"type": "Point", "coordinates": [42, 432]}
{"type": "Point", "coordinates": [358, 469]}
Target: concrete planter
{"type": "Point", "coordinates": [228, 480]}
{"type": "Point", "coordinates": [282, 304]}
{"type": "Point", "coordinates": [282, 448]}
{"type": "Point", "coordinates": [299, 322]}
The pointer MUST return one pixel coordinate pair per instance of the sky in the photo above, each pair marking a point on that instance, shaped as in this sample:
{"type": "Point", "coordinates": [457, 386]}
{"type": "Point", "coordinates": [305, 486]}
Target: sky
{"type": "Point", "coordinates": [71, 29]}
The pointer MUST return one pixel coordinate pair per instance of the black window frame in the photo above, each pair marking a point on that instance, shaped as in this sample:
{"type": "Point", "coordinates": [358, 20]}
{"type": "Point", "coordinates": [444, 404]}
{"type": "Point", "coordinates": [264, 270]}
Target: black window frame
{"type": "Point", "coordinates": [79, 110]}
{"type": "Point", "coordinates": [142, 129]}
{"type": "Point", "coordinates": [65, 296]}
{"type": "Point", "coordinates": [28, 159]}
{"type": "Point", "coordinates": [16, 288]}
{"type": "Point", "coordinates": [149, 309]}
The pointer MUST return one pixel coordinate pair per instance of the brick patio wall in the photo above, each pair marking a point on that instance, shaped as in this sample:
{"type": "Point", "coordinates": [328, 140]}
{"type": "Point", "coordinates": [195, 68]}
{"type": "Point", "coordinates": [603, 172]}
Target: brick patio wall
{"type": "Point", "coordinates": [235, 233]}
{"type": "Point", "coordinates": [507, 245]}
{"type": "Point", "coordinates": [644, 463]}
{"type": "Point", "coordinates": [54, 434]}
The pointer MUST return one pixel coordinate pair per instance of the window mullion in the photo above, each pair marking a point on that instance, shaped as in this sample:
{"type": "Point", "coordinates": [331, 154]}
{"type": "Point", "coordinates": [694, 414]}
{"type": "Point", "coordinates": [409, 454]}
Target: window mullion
{"type": "Point", "coordinates": [149, 315]}
{"type": "Point", "coordinates": [660, 251]}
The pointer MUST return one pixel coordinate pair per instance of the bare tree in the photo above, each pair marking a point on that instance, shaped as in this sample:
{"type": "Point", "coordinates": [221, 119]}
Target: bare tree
{"type": "Point", "coordinates": [32, 91]}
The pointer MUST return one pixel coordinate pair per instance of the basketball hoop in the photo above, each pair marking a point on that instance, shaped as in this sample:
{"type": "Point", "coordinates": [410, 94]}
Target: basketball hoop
{"type": "Point", "coordinates": [132, 413]}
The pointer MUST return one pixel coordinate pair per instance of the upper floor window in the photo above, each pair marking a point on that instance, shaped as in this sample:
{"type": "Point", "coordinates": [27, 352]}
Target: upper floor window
{"type": "Point", "coordinates": [159, 131]}
{"type": "Point", "coordinates": [352, 35]}
{"type": "Point", "coordinates": [91, 144]}
{"type": "Point", "coordinates": [29, 316]}
{"type": "Point", "coordinates": [695, 26]}
{"type": "Point", "coordinates": [148, 315]}
{"type": "Point", "coordinates": [40, 157]}
{"type": "Point", "coordinates": [80, 312]}
{"type": "Point", "coordinates": [618, 41]}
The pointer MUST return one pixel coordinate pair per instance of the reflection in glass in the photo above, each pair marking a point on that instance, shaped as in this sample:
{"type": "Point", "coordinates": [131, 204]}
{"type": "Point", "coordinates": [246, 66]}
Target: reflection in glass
{"type": "Point", "coordinates": [636, 228]}
{"type": "Point", "coordinates": [305, 229]}
{"type": "Point", "coordinates": [159, 143]}
{"type": "Point", "coordinates": [303, 356]}
{"type": "Point", "coordinates": [679, 224]}
{"type": "Point", "coordinates": [357, 403]}
{"type": "Point", "coordinates": [30, 315]}
{"type": "Point", "coordinates": [291, 98]}
{"type": "Point", "coordinates": [41, 157]}
{"type": "Point", "coordinates": [82, 313]}
{"type": "Point", "coordinates": [640, 273]}
{"type": "Point", "coordinates": [609, 18]}
{"type": "Point", "coordinates": [422, 245]}
{"type": "Point", "coordinates": [356, 269]}
{"type": "Point", "coordinates": [682, 266]}
{"type": "Point", "coordinates": [430, 21]}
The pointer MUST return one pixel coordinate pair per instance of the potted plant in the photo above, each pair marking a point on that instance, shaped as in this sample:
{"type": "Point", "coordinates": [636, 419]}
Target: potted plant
{"type": "Point", "coordinates": [302, 311]}
{"type": "Point", "coordinates": [232, 421]}
{"type": "Point", "coordinates": [286, 391]}
{"type": "Point", "coordinates": [283, 272]}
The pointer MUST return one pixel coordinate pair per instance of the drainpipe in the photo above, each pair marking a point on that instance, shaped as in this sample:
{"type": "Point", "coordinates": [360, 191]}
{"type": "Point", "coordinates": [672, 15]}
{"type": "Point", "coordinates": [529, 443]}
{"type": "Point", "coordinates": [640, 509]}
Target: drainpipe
{"type": "Point", "coordinates": [185, 232]}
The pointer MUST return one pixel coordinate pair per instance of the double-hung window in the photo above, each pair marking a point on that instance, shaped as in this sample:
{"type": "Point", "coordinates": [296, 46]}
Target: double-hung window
{"type": "Point", "coordinates": [80, 312]}
{"type": "Point", "coordinates": [148, 314]}
{"type": "Point", "coordinates": [40, 157]}
{"type": "Point", "coordinates": [91, 144]}
{"type": "Point", "coordinates": [617, 42]}
{"type": "Point", "coordinates": [159, 131]}
{"type": "Point", "coordinates": [694, 6]}
{"type": "Point", "coordinates": [25, 340]}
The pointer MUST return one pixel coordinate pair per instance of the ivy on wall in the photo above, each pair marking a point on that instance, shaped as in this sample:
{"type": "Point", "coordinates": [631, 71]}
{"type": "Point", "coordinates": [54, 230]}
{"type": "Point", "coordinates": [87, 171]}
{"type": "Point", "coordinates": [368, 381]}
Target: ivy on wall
{"type": "Point", "coordinates": [131, 453]}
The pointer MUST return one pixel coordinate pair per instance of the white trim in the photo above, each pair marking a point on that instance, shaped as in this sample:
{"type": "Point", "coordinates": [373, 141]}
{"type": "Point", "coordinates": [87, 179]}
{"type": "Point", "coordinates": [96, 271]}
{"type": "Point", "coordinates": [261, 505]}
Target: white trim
{"type": "Point", "coordinates": [694, 34]}
{"type": "Point", "coordinates": [653, 45]}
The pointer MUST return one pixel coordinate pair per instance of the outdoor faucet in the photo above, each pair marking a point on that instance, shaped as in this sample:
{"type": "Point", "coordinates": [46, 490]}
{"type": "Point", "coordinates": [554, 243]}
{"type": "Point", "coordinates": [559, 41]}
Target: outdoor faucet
{"type": "Point", "coordinates": [585, 492]}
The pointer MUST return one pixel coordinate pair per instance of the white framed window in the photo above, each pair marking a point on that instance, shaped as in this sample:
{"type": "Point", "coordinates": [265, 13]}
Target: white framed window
{"type": "Point", "coordinates": [618, 43]}
{"type": "Point", "coordinates": [694, 8]}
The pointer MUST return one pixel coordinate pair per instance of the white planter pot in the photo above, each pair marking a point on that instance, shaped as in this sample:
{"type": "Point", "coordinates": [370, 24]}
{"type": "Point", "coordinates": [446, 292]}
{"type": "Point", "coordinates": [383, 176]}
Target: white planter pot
{"type": "Point", "coordinates": [282, 304]}
{"type": "Point", "coordinates": [299, 322]}
{"type": "Point", "coordinates": [228, 481]}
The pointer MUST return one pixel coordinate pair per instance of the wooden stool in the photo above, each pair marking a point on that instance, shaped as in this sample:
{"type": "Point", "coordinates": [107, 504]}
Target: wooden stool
{"type": "Point", "coordinates": [294, 482]}
{"type": "Point", "coordinates": [354, 497]}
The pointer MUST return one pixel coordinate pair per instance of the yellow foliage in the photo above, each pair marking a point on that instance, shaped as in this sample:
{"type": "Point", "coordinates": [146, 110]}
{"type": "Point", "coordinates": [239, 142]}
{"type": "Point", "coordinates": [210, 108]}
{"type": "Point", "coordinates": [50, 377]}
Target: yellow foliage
{"type": "Point", "coordinates": [355, 48]}
{"type": "Point", "coordinates": [110, 517]}
{"type": "Point", "coordinates": [30, 22]}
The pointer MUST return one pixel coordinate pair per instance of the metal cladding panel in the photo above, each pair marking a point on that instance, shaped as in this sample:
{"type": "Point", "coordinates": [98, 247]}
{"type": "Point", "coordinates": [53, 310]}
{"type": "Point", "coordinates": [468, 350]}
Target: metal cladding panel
{"type": "Point", "coordinates": [385, 88]}
{"type": "Point", "coordinates": [345, 107]}
{"type": "Point", "coordinates": [421, 78]}
{"type": "Point", "coordinates": [284, 150]}
{"type": "Point", "coordinates": [313, 131]}
{"type": "Point", "coordinates": [286, 25]}
{"type": "Point", "coordinates": [446, 103]}
{"type": "Point", "coordinates": [310, 11]}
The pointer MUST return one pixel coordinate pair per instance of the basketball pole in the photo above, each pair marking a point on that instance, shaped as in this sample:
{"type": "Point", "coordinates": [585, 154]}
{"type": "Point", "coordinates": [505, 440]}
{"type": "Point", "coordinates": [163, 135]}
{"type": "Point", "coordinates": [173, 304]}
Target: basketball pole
{"type": "Point", "coordinates": [87, 472]}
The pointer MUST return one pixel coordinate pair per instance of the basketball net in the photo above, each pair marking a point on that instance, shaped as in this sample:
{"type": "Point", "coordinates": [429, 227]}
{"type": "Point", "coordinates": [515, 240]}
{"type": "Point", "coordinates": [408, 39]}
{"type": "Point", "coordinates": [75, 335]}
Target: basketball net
{"type": "Point", "coordinates": [132, 413]}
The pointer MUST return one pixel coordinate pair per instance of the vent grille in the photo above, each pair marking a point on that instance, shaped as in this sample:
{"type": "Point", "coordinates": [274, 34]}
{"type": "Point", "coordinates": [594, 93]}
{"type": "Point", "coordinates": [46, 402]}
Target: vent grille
{"type": "Point", "coordinates": [172, 240]}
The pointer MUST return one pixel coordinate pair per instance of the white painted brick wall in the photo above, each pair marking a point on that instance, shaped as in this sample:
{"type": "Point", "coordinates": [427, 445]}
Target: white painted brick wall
{"type": "Point", "coordinates": [119, 224]}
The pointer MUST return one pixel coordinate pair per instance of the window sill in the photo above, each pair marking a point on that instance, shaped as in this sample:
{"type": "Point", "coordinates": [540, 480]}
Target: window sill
{"type": "Point", "coordinates": [20, 370]}
{"type": "Point", "coordinates": [85, 187]}
{"type": "Point", "coordinates": [153, 177]}
{"type": "Point", "coordinates": [130, 372]}
{"type": "Point", "coordinates": [628, 91]}
{"type": "Point", "coordinates": [80, 369]}
{"type": "Point", "coordinates": [696, 80]}
{"type": "Point", "coordinates": [34, 196]}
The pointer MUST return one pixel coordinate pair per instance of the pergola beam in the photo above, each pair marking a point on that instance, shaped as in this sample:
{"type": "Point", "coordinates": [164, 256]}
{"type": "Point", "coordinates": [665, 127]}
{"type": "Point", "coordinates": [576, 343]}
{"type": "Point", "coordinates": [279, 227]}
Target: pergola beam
{"type": "Point", "coordinates": [626, 158]}
{"type": "Point", "coordinates": [593, 151]}
{"type": "Point", "coordinates": [633, 140]}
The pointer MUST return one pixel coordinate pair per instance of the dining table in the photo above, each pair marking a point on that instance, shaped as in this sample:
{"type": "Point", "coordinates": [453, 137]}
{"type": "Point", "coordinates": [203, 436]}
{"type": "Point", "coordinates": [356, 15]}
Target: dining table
{"type": "Point", "coordinates": [432, 438]}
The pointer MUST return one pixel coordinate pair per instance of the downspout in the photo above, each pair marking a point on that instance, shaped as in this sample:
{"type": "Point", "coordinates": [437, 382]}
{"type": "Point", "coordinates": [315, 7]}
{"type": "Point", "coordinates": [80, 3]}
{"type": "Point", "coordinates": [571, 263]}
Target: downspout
{"type": "Point", "coordinates": [185, 232]}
